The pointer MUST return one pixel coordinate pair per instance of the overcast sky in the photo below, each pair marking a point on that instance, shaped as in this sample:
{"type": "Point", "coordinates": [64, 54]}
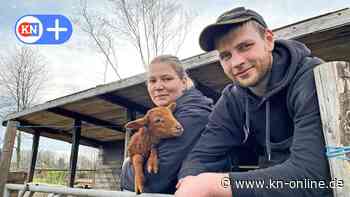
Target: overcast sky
{"type": "Point", "coordinates": [74, 67]}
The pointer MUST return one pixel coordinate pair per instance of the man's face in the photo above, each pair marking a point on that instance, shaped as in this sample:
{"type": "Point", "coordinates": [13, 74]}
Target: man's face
{"type": "Point", "coordinates": [245, 55]}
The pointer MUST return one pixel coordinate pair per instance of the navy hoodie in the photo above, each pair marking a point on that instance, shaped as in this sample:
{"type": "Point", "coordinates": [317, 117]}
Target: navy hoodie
{"type": "Point", "coordinates": [192, 111]}
{"type": "Point", "coordinates": [285, 125]}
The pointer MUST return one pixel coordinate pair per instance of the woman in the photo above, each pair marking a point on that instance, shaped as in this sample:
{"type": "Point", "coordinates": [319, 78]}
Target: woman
{"type": "Point", "coordinates": [168, 82]}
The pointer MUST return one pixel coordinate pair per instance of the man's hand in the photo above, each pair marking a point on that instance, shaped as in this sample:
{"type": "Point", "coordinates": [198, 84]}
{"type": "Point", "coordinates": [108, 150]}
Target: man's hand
{"type": "Point", "coordinates": [203, 185]}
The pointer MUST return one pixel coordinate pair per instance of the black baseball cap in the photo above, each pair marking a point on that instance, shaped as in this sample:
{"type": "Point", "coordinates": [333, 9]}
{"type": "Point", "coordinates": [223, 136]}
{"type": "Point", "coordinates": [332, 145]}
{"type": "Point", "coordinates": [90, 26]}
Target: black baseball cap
{"type": "Point", "coordinates": [229, 18]}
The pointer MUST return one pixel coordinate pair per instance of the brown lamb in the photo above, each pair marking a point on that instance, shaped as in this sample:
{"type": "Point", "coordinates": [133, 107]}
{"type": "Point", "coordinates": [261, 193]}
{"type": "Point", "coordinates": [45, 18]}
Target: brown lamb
{"type": "Point", "coordinates": [158, 123]}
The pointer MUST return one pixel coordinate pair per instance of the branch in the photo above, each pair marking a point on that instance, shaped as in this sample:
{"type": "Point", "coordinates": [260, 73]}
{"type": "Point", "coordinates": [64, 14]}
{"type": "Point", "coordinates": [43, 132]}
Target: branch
{"type": "Point", "coordinates": [90, 31]}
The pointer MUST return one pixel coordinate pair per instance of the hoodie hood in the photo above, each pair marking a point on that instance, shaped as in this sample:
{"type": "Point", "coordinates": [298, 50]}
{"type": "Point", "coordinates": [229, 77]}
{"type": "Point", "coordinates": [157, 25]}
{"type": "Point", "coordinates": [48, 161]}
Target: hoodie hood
{"type": "Point", "coordinates": [287, 58]}
{"type": "Point", "coordinates": [192, 99]}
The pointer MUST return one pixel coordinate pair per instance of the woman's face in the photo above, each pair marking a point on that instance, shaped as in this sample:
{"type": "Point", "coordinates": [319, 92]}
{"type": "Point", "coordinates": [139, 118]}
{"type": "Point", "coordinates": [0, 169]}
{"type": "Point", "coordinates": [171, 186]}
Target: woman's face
{"type": "Point", "coordinates": [164, 85]}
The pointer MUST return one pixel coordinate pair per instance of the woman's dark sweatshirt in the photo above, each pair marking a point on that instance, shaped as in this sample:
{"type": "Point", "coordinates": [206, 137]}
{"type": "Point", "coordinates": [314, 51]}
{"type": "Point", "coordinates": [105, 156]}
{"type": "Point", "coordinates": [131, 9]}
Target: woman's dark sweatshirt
{"type": "Point", "coordinates": [192, 111]}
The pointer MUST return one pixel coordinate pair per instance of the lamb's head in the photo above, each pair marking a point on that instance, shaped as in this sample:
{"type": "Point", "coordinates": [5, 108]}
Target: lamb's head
{"type": "Point", "coordinates": [160, 121]}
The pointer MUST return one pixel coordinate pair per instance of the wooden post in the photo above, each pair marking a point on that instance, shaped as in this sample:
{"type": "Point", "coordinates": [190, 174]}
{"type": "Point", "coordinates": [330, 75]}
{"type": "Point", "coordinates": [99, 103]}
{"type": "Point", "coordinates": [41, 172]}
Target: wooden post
{"type": "Point", "coordinates": [333, 89]}
{"type": "Point", "coordinates": [74, 152]}
{"type": "Point", "coordinates": [131, 115]}
{"type": "Point", "coordinates": [6, 155]}
{"type": "Point", "coordinates": [35, 145]}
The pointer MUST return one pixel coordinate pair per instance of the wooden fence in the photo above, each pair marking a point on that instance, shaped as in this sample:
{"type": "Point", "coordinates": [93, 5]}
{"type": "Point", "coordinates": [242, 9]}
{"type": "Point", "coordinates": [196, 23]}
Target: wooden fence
{"type": "Point", "coordinates": [333, 89]}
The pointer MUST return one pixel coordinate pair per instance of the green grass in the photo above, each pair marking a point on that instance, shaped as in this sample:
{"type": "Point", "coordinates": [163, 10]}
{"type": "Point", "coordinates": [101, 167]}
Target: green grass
{"type": "Point", "coordinates": [53, 177]}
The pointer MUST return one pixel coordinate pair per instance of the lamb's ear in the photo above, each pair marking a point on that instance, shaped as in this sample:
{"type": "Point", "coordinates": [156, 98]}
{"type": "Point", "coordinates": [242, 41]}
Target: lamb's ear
{"type": "Point", "coordinates": [136, 124]}
{"type": "Point", "coordinates": [172, 106]}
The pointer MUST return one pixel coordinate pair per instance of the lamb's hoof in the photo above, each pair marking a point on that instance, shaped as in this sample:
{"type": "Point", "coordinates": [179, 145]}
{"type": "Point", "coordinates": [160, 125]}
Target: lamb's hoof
{"type": "Point", "coordinates": [138, 189]}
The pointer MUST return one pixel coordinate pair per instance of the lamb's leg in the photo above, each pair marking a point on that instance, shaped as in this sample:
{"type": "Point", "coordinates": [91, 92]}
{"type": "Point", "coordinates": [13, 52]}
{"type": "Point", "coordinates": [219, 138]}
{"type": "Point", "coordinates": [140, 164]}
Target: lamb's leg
{"type": "Point", "coordinates": [152, 162]}
{"type": "Point", "coordinates": [137, 161]}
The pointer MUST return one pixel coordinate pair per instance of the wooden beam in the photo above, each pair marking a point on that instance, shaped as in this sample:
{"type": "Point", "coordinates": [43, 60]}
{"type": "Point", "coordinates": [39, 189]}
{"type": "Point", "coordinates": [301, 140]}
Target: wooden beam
{"type": "Point", "coordinates": [74, 152]}
{"type": "Point", "coordinates": [59, 134]}
{"type": "Point", "coordinates": [35, 145]}
{"type": "Point", "coordinates": [6, 154]}
{"type": "Point", "coordinates": [200, 60]}
{"type": "Point", "coordinates": [131, 115]}
{"type": "Point", "coordinates": [333, 89]}
{"type": "Point", "coordinates": [119, 100]}
{"type": "Point", "coordinates": [314, 25]}
{"type": "Point", "coordinates": [86, 94]}
{"type": "Point", "coordinates": [86, 118]}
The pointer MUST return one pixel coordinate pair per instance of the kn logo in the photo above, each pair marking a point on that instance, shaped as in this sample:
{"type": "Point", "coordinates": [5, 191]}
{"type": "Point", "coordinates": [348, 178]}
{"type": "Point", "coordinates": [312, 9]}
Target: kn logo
{"type": "Point", "coordinates": [43, 29]}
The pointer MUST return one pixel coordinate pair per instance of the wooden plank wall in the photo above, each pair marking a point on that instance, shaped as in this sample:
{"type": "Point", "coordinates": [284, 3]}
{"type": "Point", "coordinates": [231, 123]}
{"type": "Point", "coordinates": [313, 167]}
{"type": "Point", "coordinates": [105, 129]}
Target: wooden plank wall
{"type": "Point", "coordinates": [6, 155]}
{"type": "Point", "coordinates": [333, 89]}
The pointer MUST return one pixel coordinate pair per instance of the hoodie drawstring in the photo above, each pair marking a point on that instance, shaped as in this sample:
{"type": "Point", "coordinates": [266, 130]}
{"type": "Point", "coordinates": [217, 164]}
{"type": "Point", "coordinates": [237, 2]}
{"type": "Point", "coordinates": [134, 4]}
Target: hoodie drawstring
{"type": "Point", "coordinates": [246, 126]}
{"type": "Point", "coordinates": [267, 131]}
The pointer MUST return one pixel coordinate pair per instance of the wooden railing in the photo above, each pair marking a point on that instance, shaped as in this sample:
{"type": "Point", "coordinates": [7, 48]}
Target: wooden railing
{"type": "Point", "coordinates": [333, 91]}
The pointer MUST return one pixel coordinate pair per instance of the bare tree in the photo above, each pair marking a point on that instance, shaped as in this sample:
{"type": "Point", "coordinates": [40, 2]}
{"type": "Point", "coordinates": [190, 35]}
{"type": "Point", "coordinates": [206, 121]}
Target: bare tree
{"type": "Point", "coordinates": [61, 163]}
{"type": "Point", "coordinates": [97, 29]}
{"type": "Point", "coordinates": [152, 27]}
{"type": "Point", "coordinates": [46, 159]}
{"type": "Point", "coordinates": [6, 103]}
{"type": "Point", "coordinates": [22, 74]}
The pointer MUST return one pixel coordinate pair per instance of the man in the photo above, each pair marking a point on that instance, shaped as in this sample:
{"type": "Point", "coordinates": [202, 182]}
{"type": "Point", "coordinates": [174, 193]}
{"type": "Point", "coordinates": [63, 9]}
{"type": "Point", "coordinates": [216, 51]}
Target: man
{"type": "Point", "coordinates": [271, 102]}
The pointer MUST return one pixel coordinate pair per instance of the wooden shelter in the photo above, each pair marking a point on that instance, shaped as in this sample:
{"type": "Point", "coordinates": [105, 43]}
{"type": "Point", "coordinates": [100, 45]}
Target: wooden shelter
{"type": "Point", "coordinates": [95, 117]}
